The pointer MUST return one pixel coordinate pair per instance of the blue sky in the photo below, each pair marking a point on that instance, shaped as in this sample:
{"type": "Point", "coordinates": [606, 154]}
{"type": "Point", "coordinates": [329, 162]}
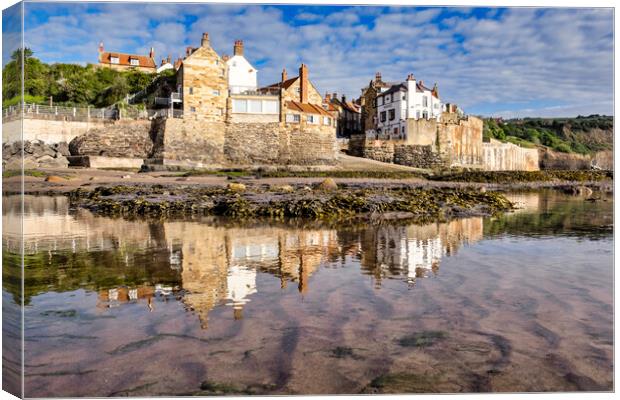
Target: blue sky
{"type": "Point", "coordinates": [491, 61]}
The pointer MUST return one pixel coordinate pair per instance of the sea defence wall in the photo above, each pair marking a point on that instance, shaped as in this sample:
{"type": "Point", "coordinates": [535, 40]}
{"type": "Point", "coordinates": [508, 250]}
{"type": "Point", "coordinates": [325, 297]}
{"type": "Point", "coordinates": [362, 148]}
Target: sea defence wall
{"type": "Point", "coordinates": [456, 142]}
{"type": "Point", "coordinates": [47, 130]}
{"type": "Point", "coordinates": [429, 144]}
{"type": "Point", "coordinates": [184, 143]}
{"type": "Point", "coordinates": [500, 156]}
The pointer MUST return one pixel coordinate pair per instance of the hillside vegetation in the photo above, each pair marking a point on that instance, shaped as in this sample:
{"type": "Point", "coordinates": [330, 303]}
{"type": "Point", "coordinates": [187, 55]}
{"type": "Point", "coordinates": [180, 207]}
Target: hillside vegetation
{"type": "Point", "coordinates": [583, 135]}
{"type": "Point", "coordinates": [68, 84]}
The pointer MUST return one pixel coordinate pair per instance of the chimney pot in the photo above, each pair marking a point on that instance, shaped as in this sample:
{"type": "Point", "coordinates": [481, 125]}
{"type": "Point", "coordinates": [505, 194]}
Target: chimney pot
{"type": "Point", "coordinates": [152, 53]}
{"type": "Point", "coordinates": [238, 48]}
{"type": "Point", "coordinates": [378, 77]}
{"type": "Point", "coordinates": [284, 75]}
{"type": "Point", "coordinates": [205, 40]}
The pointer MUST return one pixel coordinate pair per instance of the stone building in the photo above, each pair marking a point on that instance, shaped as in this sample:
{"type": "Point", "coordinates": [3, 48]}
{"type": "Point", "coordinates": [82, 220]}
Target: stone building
{"type": "Point", "coordinates": [348, 114]}
{"type": "Point", "coordinates": [124, 61]}
{"type": "Point", "coordinates": [224, 120]}
{"type": "Point", "coordinates": [203, 77]}
{"type": "Point", "coordinates": [368, 101]}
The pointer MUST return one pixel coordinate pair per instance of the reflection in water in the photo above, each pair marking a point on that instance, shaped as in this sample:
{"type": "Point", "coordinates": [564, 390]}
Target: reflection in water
{"type": "Point", "coordinates": [213, 265]}
{"type": "Point", "coordinates": [279, 304]}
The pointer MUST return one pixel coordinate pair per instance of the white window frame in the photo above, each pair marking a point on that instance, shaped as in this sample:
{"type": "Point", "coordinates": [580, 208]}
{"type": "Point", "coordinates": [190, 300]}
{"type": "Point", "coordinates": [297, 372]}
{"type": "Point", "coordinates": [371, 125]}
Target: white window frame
{"type": "Point", "coordinates": [134, 61]}
{"type": "Point", "coordinates": [327, 121]}
{"type": "Point", "coordinates": [114, 60]}
{"type": "Point", "coordinates": [312, 119]}
{"type": "Point", "coordinates": [215, 92]}
{"type": "Point", "coordinates": [293, 118]}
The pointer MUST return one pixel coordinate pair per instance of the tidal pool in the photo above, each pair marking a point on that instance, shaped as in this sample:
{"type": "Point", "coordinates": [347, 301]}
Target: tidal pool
{"type": "Point", "coordinates": [116, 307]}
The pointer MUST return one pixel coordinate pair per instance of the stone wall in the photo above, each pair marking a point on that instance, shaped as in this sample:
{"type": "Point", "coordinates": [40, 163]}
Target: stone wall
{"type": "Point", "coordinates": [460, 142]}
{"type": "Point", "coordinates": [247, 143]}
{"type": "Point", "coordinates": [190, 143]}
{"type": "Point", "coordinates": [422, 132]}
{"type": "Point", "coordinates": [128, 139]}
{"type": "Point", "coordinates": [498, 156]}
{"type": "Point", "coordinates": [47, 130]}
{"type": "Point", "coordinates": [380, 150]}
{"type": "Point", "coordinates": [417, 156]}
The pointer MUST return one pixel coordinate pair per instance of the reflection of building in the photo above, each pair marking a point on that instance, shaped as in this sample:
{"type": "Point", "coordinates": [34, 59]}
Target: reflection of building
{"type": "Point", "coordinates": [241, 282]}
{"type": "Point", "coordinates": [414, 251]}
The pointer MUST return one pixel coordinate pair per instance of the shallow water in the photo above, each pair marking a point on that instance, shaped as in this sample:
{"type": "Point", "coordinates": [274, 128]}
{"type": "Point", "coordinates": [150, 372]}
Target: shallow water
{"type": "Point", "coordinates": [522, 302]}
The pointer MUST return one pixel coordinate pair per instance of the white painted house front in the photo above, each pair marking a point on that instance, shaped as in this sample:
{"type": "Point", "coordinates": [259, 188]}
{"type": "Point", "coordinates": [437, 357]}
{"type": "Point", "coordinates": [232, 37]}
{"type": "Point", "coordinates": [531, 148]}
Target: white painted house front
{"type": "Point", "coordinates": [405, 101]}
{"type": "Point", "coordinates": [242, 76]}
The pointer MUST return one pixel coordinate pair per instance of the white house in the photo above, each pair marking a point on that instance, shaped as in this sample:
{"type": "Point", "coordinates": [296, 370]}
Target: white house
{"type": "Point", "coordinates": [242, 76]}
{"type": "Point", "coordinates": [409, 100]}
{"type": "Point", "coordinates": [165, 65]}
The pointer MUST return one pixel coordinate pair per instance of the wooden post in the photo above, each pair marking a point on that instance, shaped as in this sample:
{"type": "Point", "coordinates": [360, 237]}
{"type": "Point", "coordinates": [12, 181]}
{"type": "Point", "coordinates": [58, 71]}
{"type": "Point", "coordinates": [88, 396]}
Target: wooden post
{"type": "Point", "coordinates": [56, 110]}
{"type": "Point", "coordinates": [74, 112]}
{"type": "Point", "coordinates": [88, 113]}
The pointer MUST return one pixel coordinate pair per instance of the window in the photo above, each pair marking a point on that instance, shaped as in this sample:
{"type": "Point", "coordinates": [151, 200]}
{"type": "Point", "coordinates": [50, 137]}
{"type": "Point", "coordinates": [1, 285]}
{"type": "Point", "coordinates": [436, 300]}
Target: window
{"type": "Point", "coordinates": [270, 107]}
{"type": "Point", "coordinates": [380, 101]}
{"type": "Point", "coordinates": [191, 90]}
{"type": "Point", "coordinates": [295, 118]}
{"type": "Point", "coordinates": [239, 106]}
{"type": "Point", "coordinates": [382, 116]}
{"type": "Point", "coordinates": [392, 115]}
{"type": "Point", "coordinates": [297, 90]}
{"type": "Point", "coordinates": [134, 61]}
{"type": "Point", "coordinates": [114, 60]}
{"type": "Point", "coordinates": [312, 119]}
{"type": "Point", "coordinates": [327, 121]}
{"type": "Point", "coordinates": [192, 109]}
{"type": "Point", "coordinates": [417, 114]}
{"type": "Point", "coordinates": [396, 131]}
{"type": "Point", "coordinates": [404, 96]}
{"type": "Point", "coordinates": [216, 92]}
{"type": "Point", "coordinates": [387, 99]}
{"type": "Point", "coordinates": [217, 62]}
{"type": "Point", "coordinates": [425, 115]}
{"type": "Point", "coordinates": [255, 106]}
{"type": "Point", "coordinates": [424, 101]}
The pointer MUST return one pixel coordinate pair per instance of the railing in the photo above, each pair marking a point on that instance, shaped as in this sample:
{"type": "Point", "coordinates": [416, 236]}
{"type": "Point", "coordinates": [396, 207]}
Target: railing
{"type": "Point", "coordinates": [251, 91]}
{"type": "Point", "coordinates": [39, 111]}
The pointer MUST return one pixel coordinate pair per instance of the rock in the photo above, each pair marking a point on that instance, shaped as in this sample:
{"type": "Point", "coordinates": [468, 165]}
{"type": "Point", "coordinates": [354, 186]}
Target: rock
{"type": "Point", "coordinates": [50, 162]}
{"type": "Point", "coordinates": [63, 148]}
{"type": "Point", "coordinates": [327, 184]}
{"type": "Point", "coordinates": [183, 179]}
{"type": "Point", "coordinates": [236, 187]}
{"type": "Point", "coordinates": [284, 188]}
{"type": "Point", "coordinates": [483, 189]}
{"type": "Point", "coordinates": [55, 179]}
{"type": "Point", "coordinates": [307, 188]}
{"type": "Point", "coordinates": [93, 178]}
{"type": "Point", "coordinates": [126, 177]}
{"type": "Point", "coordinates": [586, 191]}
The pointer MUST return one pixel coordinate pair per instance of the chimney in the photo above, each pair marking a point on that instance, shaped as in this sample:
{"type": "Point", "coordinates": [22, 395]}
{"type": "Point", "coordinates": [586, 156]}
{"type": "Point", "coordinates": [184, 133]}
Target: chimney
{"type": "Point", "coordinates": [328, 97]}
{"type": "Point", "coordinates": [162, 62]}
{"type": "Point", "coordinates": [152, 53]}
{"type": "Point", "coordinates": [100, 51]}
{"type": "Point", "coordinates": [168, 59]}
{"type": "Point", "coordinates": [344, 98]}
{"type": "Point", "coordinates": [238, 49]}
{"type": "Point", "coordinates": [435, 90]}
{"type": "Point", "coordinates": [225, 57]}
{"type": "Point", "coordinates": [205, 40]}
{"type": "Point", "coordinates": [303, 83]}
{"type": "Point", "coordinates": [335, 96]}
{"type": "Point", "coordinates": [410, 77]}
{"type": "Point", "coordinates": [188, 51]}
{"type": "Point", "coordinates": [378, 77]}
{"type": "Point", "coordinates": [284, 76]}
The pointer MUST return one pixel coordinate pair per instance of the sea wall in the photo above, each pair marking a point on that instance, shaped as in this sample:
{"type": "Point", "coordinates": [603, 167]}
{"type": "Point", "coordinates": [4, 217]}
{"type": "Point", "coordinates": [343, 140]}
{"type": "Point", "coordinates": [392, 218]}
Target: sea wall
{"type": "Point", "coordinates": [46, 130]}
{"type": "Point", "coordinates": [498, 156]}
{"type": "Point", "coordinates": [202, 144]}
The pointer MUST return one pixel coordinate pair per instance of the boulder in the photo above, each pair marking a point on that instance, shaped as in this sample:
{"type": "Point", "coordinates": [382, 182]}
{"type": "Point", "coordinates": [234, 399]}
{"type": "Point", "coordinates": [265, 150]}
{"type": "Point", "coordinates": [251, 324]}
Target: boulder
{"type": "Point", "coordinates": [236, 187]}
{"type": "Point", "coordinates": [47, 161]}
{"type": "Point", "coordinates": [327, 184]}
{"type": "Point", "coordinates": [284, 188]}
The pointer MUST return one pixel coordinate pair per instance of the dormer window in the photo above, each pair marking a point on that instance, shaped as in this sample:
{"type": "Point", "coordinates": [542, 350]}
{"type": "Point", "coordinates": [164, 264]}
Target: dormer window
{"type": "Point", "coordinates": [134, 61]}
{"type": "Point", "coordinates": [114, 60]}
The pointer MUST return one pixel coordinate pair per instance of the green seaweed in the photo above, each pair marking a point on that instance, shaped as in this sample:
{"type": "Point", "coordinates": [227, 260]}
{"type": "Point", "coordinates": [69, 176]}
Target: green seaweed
{"type": "Point", "coordinates": [422, 339]}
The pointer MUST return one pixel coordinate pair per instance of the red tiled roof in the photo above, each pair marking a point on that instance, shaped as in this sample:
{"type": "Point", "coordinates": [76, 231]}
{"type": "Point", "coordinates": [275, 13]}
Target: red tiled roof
{"type": "Point", "coordinates": [124, 59]}
{"type": "Point", "coordinates": [286, 84]}
{"type": "Point", "coordinates": [306, 108]}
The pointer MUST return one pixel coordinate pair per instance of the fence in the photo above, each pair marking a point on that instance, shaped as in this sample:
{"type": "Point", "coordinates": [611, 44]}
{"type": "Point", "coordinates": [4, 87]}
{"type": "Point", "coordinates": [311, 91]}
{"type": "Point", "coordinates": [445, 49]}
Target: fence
{"type": "Point", "coordinates": [40, 111]}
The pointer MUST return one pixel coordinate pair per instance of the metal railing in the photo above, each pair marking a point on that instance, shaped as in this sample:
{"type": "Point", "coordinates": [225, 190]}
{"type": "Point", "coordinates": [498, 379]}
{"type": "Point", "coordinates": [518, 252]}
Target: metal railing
{"type": "Point", "coordinates": [39, 111]}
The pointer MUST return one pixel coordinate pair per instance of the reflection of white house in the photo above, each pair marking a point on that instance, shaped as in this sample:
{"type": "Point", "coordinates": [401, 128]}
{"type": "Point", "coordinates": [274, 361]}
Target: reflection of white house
{"type": "Point", "coordinates": [241, 283]}
{"type": "Point", "coordinates": [420, 255]}
{"type": "Point", "coordinates": [242, 76]}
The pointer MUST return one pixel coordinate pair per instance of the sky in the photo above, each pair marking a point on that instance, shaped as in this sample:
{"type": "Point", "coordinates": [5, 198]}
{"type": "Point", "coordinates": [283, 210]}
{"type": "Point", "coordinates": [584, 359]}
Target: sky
{"type": "Point", "coordinates": [508, 62]}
